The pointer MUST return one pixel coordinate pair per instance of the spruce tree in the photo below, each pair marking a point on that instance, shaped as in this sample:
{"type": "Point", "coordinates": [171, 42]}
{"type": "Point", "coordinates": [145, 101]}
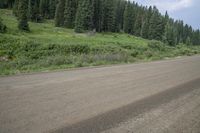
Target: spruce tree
{"type": "Point", "coordinates": [69, 13]}
{"type": "Point", "coordinates": [16, 8]}
{"type": "Point", "coordinates": [196, 38]}
{"type": "Point", "coordinates": [145, 28]}
{"type": "Point", "coordinates": [188, 41]}
{"type": "Point", "coordinates": [128, 23]}
{"type": "Point", "coordinates": [169, 35]}
{"type": "Point", "coordinates": [44, 8]}
{"type": "Point", "coordinates": [117, 16]}
{"type": "Point", "coordinates": [33, 10]}
{"type": "Point", "coordinates": [22, 15]}
{"type": "Point", "coordinates": [97, 15]}
{"type": "Point", "coordinates": [84, 16]}
{"type": "Point", "coordinates": [59, 15]}
{"type": "Point", "coordinates": [52, 8]}
{"type": "Point", "coordinates": [79, 26]}
{"type": "Point", "coordinates": [30, 8]}
{"type": "Point", "coordinates": [138, 25]}
{"type": "Point", "coordinates": [108, 15]}
{"type": "Point", "coordinates": [166, 17]}
{"type": "Point", "coordinates": [121, 13]}
{"type": "Point", "coordinates": [156, 25]}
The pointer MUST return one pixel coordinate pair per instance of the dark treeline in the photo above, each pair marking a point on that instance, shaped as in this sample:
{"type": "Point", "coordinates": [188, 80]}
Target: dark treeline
{"type": "Point", "coordinates": [106, 16]}
{"type": "Point", "coordinates": [6, 3]}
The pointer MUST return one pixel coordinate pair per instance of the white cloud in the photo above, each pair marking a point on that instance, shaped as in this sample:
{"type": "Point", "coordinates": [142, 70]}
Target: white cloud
{"type": "Point", "coordinates": [169, 5]}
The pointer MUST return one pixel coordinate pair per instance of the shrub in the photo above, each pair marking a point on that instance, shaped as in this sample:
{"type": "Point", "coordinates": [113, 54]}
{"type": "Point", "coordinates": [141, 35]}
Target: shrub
{"type": "Point", "coordinates": [2, 27]}
{"type": "Point", "coordinates": [148, 53]}
{"type": "Point", "coordinates": [134, 53]}
{"type": "Point", "coordinates": [156, 45]}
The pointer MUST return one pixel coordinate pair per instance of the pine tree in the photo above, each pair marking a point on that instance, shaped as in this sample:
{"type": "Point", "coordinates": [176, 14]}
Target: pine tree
{"type": "Point", "coordinates": [22, 15]}
{"type": "Point", "coordinates": [69, 13]}
{"type": "Point", "coordinates": [121, 13]}
{"type": "Point", "coordinates": [128, 23]}
{"type": "Point", "coordinates": [169, 36]}
{"type": "Point", "coordinates": [52, 8]}
{"type": "Point", "coordinates": [138, 25]}
{"type": "Point", "coordinates": [97, 14]}
{"type": "Point", "coordinates": [59, 16]}
{"type": "Point", "coordinates": [30, 8]}
{"type": "Point", "coordinates": [84, 16]}
{"type": "Point", "coordinates": [108, 16]}
{"type": "Point", "coordinates": [16, 8]}
{"type": "Point", "coordinates": [116, 16]}
{"type": "Point", "coordinates": [145, 27]}
{"type": "Point", "coordinates": [188, 41]}
{"type": "Point", "coordinates": [196, 38]}
{"type": "Point", "coordinates": [156, 26]}
{"type": "Point", "coordinates": [33, 10]}
{"type": "Point", "coordinates": [44, 8]}
{"type": "Point", "coordinates": [166, 17]}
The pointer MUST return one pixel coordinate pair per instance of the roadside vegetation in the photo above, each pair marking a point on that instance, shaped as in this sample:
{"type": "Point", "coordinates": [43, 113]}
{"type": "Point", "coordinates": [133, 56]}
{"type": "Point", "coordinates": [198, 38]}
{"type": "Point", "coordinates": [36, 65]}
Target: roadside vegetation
{"type": "Point", "coordinates": [46, 47]}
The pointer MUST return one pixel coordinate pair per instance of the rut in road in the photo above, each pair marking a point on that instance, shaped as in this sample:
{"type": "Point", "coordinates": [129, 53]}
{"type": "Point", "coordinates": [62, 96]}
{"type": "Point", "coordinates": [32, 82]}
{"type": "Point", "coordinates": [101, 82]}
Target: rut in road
{"type": "Point", "coordinates": [114, 117]}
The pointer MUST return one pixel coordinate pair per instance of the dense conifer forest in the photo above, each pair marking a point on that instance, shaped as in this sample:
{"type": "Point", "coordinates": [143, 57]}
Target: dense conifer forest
{"type": "Point", "coordinates": [105, 16]}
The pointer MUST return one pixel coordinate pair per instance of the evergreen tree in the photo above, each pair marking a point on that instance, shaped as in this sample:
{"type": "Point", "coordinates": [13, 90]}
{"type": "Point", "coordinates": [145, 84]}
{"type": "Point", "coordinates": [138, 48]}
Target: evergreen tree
{"type": "Point", "coordinates": [188, 41]}
{"type": "Point", "coordinates": [33, 10]}
{"type": "Point", "coordinates": [128, 23]}
{"type": "Point", "coordinates": [52, 8]}
{"type": "Point", "coordinates": [79, 26]}
{"type": "Point", "coordinates": [166, 17]}
{"type": "Point", "coordinates": [16, 8]}
{"type": "Point", "coordinates": [108, 21]}
{"type": "Point", "coordinates": [144, 29]}
{"type": "Point", "coordinates": [59, 16]}
{"type": "Point", "coordinates": [69, 13]}
{"type": "Point", "coordinates": [156, 25]}
{"type": "Point", "coordinates": [44, 8]}
{"type": "Point", "coordinates": [84, 16]}
{"type": "Point", "coordinates": [22, 15]}
{"type": "Point", "coordinates": [30, 8]}
{"type": "Point", "coordinates": [196, 38]}
{"type": "Point", "coordinates": [121, 13]}
{"type": "Point", "coordinates": [117, 16]}
{"type": "Point", "coordinates": [169, 36]}
{"type": "Point", "coordinates": [97, 14]}
{"type": "Point", "coordinates": [138, 25]}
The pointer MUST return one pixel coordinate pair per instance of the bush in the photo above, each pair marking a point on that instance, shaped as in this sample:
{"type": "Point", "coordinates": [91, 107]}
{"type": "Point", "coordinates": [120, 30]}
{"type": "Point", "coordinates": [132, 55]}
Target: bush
{"type": "Point", "coordinates": [156, 45]}
{"type": "Point", "coordinates": [2, 27]}
{"type": "Point", "coordinates": [134, 53]}
{"type": "Point", "coordinates": [148, 53]}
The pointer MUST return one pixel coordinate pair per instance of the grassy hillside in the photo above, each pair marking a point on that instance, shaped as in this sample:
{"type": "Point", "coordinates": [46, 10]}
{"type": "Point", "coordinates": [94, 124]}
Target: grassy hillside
{"type": "Point", "coordinates": [47, 47]}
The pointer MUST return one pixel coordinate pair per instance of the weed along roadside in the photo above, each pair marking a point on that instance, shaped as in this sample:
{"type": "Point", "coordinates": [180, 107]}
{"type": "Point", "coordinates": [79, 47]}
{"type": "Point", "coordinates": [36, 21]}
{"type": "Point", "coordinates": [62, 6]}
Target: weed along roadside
{"type": "Point", "coordinates": [47, 47]}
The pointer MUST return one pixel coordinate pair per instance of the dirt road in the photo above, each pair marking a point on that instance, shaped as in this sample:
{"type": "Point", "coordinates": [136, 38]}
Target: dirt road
{"type": "Point", "coordinates": [156, 97]}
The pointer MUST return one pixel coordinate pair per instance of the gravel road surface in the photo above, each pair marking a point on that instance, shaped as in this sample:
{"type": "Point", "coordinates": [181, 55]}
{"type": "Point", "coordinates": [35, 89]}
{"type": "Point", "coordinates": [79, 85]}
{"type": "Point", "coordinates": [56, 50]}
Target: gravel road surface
{"type": "Point", "coordinates": [155, 97]}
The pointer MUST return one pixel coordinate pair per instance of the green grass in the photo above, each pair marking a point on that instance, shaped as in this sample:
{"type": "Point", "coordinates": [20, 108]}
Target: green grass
{"type": "Point", "coordinates": [47, 48]}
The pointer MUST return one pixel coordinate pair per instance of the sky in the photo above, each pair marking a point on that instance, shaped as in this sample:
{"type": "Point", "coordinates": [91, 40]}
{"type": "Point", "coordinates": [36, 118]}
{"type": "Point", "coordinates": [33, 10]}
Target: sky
{"type": "Point", "coordinates": [186, 10]}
